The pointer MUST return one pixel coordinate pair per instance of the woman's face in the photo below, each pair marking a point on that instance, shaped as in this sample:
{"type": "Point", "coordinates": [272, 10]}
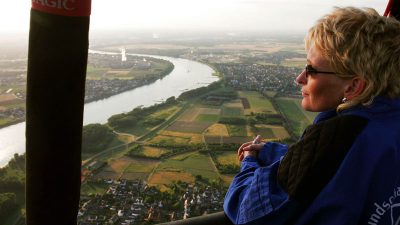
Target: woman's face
{"type": "Point", "coordinates": [320, 91]}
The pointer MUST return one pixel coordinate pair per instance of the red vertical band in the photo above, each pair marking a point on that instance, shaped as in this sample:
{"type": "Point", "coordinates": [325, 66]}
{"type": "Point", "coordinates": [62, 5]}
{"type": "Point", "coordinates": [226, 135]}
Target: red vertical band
{"type": "Point", "coordinates": [63, 7]}
{"type": "Point", "coordinates": [388, 8]}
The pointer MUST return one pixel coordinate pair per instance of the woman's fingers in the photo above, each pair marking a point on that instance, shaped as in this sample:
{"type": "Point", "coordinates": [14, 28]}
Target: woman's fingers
{"type": "Point", "coordinates": [241, 156]}
{"type": "Point", "coordinates": [243, 146]}
{"type": "Point", "coordinates": [248, 147]}
{"type": "Point", "coordinates": [241, 150]}
{"type": "Point", "coordinates": [253, 147]}
{"type": "Point", "coordinates": [257, 139]}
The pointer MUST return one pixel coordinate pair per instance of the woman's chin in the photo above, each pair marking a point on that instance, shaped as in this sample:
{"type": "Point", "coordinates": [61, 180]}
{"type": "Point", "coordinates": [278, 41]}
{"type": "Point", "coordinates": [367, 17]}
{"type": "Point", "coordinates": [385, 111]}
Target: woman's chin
{"type": "Point", "coordinates": [307, 107]}
{"type": "Point", "coordinates": [305, 104]}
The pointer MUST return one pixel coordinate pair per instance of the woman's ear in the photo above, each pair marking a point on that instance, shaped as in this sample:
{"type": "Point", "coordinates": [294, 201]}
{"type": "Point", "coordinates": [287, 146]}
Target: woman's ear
{"type": "Point", "coordinates": [354, 87]}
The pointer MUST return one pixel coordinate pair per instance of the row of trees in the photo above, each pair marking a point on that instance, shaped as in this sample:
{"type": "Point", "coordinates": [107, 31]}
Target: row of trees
{"type": "Point", "coordinates": [136, 149]}
{"type": "Point", "coordinates": [266, 118]}
{"type": "Point", "coordinates": [223, 147]}
{"type": "Point", "coordinates": [96, 137]}
{"type": "Point", "coordinates": [12, 176]}
{"type": "Point", "coordinates": [226, 92]}
{"type": "Point", "coordinates": [234, 120]}
{"type": "Point", "coordinates": [8, 205]}
{"type": "Point", "coordinates": [200, 91]}
{"type": "Point", "coordinates": [140, 114]}
{"type": "Point", "coordinates": [217, 149]}
{"type": "Point", "coordinates": [12, 186]}
{"type": "Point", "coordinates": [261, 118]}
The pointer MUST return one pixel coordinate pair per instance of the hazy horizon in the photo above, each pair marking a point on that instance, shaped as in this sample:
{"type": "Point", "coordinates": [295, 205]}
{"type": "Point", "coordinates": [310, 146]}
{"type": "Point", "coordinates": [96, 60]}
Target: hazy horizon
{"type": "Point", "coordinates": [194, 15]}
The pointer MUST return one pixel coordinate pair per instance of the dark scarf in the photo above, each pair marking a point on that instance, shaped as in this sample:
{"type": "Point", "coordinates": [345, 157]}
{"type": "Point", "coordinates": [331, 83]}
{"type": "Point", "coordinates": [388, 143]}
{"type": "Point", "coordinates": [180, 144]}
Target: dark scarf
{"type": "Point", "coordinates": [311, 163]}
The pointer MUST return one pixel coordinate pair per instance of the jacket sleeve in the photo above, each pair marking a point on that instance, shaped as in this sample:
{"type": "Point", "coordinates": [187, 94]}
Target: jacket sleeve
{"type": "Point", "coordinates": [254, 197]}
{"type": "Point", "coordinates": [271, 153]}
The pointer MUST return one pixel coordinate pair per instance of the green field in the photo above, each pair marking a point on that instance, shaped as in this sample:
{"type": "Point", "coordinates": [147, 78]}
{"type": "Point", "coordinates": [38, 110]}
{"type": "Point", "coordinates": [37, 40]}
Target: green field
{"type": "Point", "coordinates": [189, 127]}
{"type": "Point", "coordinates": [270, 94]}
{"type": "Point", "coordinates": [92, 188]}
{"type": "Point", "coordinates": [141, 166]}
{"type": "Point", "coordinates": [308, 114]}
{"type": "Point", "coordinates": [151, 152]}
{"type": "Point", "coordinates": [207, 118]}
{"type": "Point", "coordinates": [136, 130]}
{"type": "Point", "coordinates": [193, 163]}
{"type": "Point", "coordinates": [95, 73]}
{"type": "Point", "coordinates": [157, 67]}
{"type": "Point", "coordinates": [295, 116]}
{"type": "Point", "coordinates": [258, 103]}
{"type": "Point", "coordinates": [163, 179]}
{"type": "Point", "coordinates": [227, 158]}
{"type": "Point", "coordinates": [266, 133]}
{"type": "Point", "coordinates": [183, 156]}
{"type": "Point", "coordinates": [129, 168]}
{"type": "Point", "coordinates": [142, 127]}
{"type": "Point", "coordinates": [114, 147]}
{"type": "Point", "coordinates": [169, 140]}
{"type": "Point", "coordinates": [166, 113]}
{"type": "Point", "coordinates": [236, 130]}
{"type": "Point", "coordinates": [280, 133]}
{"type": "Point", "coordinates": [232, 111]}
{"type": "Point", "coordinates": [237, 103]}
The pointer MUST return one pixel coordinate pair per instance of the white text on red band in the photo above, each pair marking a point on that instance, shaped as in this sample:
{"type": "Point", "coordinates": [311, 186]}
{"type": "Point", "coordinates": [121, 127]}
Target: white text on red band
{"type": "Point", "coordinates": [59, 4]}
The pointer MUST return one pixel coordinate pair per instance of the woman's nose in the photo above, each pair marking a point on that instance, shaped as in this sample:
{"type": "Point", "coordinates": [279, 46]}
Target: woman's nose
{"type": "Point", "coordinates": [301, 78]}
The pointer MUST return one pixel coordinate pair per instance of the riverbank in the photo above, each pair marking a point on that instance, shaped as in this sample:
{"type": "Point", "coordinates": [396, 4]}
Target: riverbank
{"type": "Point", "coordinates": [127, 86]}
{"type": "Point", "coordinates": [186, 75]}
{"type": "Point", "coordinates": [109, 79]}
{"type": "Point", "coordinates": [12, 123]}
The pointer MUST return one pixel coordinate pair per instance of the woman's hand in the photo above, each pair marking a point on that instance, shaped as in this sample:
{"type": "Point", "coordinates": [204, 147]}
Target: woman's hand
{"type": "Point", "coordinates": [250, 148]}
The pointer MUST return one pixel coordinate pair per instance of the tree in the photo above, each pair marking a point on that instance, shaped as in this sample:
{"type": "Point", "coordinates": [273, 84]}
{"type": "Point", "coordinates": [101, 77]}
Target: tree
{"type": "Point", "coordinates": [18, 162]}
{"type": "Point", "coordinates": [123, 120]}
{"type": "Point", "coordinates": [170, 100]}
{"type": "Point", "coordinates": [113, 121]}
{"type": "Point", "coordinates": [12, 176]}
{"type": "Point", "coordinates": [233, 120]}
{"type": "Point", "coordinates": [8, 204]}
{"type": "Point", "coordinates": [198, 178]}
{"type": "Point", "coordinates": [152, 121]}
{"type": "Point", "coordinates": [95, 137]}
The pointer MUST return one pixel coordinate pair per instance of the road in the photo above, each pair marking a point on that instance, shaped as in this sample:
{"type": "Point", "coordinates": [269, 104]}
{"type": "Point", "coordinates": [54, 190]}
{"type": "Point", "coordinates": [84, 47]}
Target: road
{"type": "Point", "coordinates": [140, 139]}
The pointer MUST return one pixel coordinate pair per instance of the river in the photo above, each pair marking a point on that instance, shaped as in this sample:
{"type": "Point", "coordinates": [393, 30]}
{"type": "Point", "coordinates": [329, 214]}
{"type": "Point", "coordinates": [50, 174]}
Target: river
{"type": "Point", "coordinates": [186, 75]}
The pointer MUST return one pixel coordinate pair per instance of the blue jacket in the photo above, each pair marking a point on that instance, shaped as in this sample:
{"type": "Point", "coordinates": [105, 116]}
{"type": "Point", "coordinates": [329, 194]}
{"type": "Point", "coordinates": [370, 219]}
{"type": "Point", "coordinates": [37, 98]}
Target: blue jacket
{"type": "Point", "coordinates": [364, 190]}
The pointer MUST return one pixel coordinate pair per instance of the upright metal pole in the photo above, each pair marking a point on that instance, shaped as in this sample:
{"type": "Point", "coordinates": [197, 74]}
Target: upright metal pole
{"type": "Point", "coordinates": [57, 58]}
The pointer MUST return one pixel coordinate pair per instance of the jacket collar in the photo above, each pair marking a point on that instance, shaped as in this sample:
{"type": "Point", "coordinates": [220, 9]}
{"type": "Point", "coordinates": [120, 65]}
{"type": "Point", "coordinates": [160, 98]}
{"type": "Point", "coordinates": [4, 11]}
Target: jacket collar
{"type": "Point", "coordinates": [379, 105]}
{"type": "Point", "coordinates": [325, 115]}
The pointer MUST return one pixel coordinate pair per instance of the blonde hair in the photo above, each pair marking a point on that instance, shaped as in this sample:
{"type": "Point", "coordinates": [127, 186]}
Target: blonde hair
{"type": "Point", "coordinates": [360, 42]}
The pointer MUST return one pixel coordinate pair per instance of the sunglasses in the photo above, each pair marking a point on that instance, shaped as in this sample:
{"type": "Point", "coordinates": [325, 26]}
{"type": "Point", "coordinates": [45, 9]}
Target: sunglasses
{"type": "Point", "coordinates": [310, 70]}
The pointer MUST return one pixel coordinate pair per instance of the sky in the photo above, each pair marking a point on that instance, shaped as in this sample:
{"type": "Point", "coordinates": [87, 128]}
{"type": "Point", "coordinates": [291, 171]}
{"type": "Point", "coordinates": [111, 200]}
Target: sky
{"type": "Point", "coordinates": [202, 15]}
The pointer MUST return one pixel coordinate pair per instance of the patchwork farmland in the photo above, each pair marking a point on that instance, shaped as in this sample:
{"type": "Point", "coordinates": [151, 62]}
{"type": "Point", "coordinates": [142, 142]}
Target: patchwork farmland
{"type": "Point", "coordinates": [296, 117]}
{"type": "Point", "coordinates": [232, 122]}
{"type": "Point", "coordinates": [257, 103]}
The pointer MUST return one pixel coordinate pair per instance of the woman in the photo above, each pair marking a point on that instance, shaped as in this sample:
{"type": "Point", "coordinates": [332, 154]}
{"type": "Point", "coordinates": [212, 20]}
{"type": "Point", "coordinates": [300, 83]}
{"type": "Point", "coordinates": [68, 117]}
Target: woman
{"type": "Point", "coordinates": [346, 167]}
